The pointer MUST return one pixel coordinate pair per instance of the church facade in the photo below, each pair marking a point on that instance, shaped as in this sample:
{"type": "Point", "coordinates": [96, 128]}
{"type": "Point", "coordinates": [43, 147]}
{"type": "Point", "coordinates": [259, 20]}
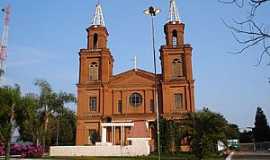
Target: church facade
{"type": "Point", "coordinates": [114, 108]}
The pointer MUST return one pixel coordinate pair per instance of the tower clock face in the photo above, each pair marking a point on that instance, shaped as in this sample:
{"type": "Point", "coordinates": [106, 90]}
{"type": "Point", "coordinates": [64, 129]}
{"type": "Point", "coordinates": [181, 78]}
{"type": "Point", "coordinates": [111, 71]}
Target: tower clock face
{"type": "Point", "coordinates": [135, 99]}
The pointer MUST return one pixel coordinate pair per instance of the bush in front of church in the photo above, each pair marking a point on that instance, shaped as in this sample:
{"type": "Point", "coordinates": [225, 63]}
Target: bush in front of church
{"type": "Point", "coordinates": [25, 151]}
{"type": "Point", "coordinates": [32, 151]}
{"type": "Point", "coordinates": [2, 151]}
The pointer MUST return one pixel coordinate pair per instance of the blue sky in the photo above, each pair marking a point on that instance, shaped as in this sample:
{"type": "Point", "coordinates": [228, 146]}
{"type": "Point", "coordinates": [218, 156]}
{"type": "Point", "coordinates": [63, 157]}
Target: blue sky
{"type": "Point", "coordinates": [45, 38]}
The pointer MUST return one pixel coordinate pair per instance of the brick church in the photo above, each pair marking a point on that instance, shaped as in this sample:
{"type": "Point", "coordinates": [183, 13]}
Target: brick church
{"type": "Point", "coordinates": [117, 107]}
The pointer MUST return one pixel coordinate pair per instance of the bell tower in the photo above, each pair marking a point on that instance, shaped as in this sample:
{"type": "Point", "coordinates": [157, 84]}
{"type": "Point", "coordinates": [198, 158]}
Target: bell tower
{"type": "Point", "coordinates": [176, 63]}
{"type": "Point", "coordinates": [96, 64]}
{"type": "Point", "coordinates": [97, 32]}
{"type": "Point", "coordinates": [96, 61]}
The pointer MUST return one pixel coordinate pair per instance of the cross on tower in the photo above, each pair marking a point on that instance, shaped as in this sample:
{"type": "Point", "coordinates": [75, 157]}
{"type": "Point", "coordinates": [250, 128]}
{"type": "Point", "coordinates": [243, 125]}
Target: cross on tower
{"type": "Point", "coordinates": [135, 63]}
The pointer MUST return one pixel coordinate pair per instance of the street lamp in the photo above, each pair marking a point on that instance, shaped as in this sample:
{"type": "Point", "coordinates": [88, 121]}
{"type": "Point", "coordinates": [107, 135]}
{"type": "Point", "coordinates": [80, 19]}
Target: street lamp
{"type": "Point", "coordinates": [152, 11]}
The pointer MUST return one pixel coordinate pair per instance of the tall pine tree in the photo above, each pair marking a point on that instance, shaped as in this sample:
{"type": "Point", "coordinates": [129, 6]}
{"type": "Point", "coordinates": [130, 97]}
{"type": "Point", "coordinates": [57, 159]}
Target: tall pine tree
{"type": "Point", "coordinates": [261, 130]}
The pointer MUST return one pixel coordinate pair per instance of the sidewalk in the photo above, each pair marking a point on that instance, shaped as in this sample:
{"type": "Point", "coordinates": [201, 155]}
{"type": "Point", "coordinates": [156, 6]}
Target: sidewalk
{"type": "Point", "coordinates": [251, 155]}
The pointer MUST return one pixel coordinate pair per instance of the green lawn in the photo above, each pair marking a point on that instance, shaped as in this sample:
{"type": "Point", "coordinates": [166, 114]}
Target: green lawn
{"type": "Point", "coordinates": [180, 156]}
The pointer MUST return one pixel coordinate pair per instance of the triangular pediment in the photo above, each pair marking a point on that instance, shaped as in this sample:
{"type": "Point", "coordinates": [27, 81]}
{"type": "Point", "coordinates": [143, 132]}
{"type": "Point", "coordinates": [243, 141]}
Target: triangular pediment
{"type": "Point", "coordinates": [133, 77]}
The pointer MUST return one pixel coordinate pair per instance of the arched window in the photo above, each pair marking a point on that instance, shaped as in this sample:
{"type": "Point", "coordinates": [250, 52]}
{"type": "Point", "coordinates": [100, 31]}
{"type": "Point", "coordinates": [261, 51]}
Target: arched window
{"type": "Point", "coordinates": [120, 106]}
{"type": "Point", "coordinates": [177, 68]}
{"type": "Point", "coordinates": [93, 71]}
{"type": "Point", "coordinates": [93, 104]}
{"type": "Point", "coordinates": [178, 101]}
{"type": "Point", "coordinates": [174, 38]}
{"type": "Point", "coordinates": [95, 40]}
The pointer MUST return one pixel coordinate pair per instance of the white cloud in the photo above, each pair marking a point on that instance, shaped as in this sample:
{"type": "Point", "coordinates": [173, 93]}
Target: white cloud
{"type": "Point", "coordinates": [26, 56]}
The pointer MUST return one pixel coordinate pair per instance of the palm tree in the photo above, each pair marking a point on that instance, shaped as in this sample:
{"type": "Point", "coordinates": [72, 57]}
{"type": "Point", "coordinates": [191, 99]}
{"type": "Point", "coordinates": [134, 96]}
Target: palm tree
{"type": "Point", "coordinates": [10, 100]}
{"type": "Point", "coordinates": [60, 99]}
{"type": "Point", "coordinates": [31, 123]}
{"type": "Point", "coordinates": [51, 105]}
{"type": "Point", "coordinates": [45, 99]}
{"type": "Point", "coordinates": [206, 129]}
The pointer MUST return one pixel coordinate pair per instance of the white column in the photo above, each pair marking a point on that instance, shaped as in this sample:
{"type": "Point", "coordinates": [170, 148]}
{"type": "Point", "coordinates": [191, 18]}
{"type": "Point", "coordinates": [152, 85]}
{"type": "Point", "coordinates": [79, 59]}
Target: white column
{"type": "Point", "coordinates": [122, 135]}
{"type": "Point", "coordinates": [113, 135]}
{"type": "Point", "coordinates": [104, 135]}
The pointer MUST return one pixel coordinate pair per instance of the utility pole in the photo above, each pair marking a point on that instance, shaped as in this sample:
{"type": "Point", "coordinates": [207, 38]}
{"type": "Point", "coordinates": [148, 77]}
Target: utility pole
{"type": "Point", "coordinates": [152, 11]}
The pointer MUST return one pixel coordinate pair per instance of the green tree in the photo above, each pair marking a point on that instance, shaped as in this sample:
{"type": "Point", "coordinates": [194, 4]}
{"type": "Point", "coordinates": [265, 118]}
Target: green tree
{"type": "Point", "coordinates": [171, 134]}
{"type": "Point", "coordinates": [232, 131]}
{"type": "Point", "coordinates": [31, 123]}
{"type": "Point", "coordinates": [261, 130]}
{"type": "Point", "coordinates": [63, 130]}
{"type": "Point", "coordinates": [10, 100]}
{"type": "Point", "coordinates": [45, 119]}
{"type": "Point", "coordinates": [206, 129]}
{"type": "Point", "coordinates": [163, 134]}
{"type": "Point", "coordinates": [1, 72]}
{"type": "Point", "coordinates": [201, 129]}
{"type": "Point", "coordinates": [52, 109]}
{"type": "Point", "coordinates": [68, 128]}
{"type": "Point", "coordinates": [63, 116]}
{"type": "Point", "coordinates": [168, 135]}
{"type": "Point", "coordinates": [41, 119]}
{"type": "Point", "coordinates": [45, 104]}
{"type": "Point", "coordinates": [246, 137]}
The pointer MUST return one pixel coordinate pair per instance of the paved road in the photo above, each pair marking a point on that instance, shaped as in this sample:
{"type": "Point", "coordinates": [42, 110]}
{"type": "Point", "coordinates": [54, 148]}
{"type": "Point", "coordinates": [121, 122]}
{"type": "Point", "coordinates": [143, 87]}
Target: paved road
{"type": "Point", "coordinates": [250, 156]}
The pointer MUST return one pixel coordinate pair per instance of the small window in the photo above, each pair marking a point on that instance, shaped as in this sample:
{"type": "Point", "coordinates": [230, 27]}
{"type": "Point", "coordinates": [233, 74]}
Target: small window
{"type": "Point", "coordinates": [152, 105]}
{"type": "Point", "coordinates": [93, 104]}
{"type": "Point", "coordinates": [119, 106]}
{"type": "Point", "coordinates": [178, 101]}
{"type": "Point", "coordinates": [174, 39]}
{"type": "Point", "coordinates": [95, 42]}
{"type": "Point", "coordinates": [93, 71]}
{"type": "Point", "coordinates": [177, 68]}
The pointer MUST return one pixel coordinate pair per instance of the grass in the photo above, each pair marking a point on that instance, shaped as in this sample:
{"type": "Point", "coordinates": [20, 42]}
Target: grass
{"type": "Point", "coordinates": [178, 156]}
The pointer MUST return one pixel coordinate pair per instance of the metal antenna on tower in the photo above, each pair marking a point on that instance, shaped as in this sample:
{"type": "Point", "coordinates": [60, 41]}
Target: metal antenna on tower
{"type": "Point", "coordinates": [4, 39]}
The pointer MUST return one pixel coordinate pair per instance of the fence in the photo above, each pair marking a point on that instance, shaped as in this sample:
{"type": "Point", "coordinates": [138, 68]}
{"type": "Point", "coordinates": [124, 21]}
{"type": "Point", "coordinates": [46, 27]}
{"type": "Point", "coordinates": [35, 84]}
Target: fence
{"type": "Point", "coordinates": [139, 147]}
{"type": "Point", "coordinates": [255, 147]}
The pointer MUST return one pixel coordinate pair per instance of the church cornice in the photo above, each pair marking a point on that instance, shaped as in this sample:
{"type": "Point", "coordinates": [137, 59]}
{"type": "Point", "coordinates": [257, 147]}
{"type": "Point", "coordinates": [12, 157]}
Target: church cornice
{"type": "Point", "coordinates": [95, 51]}
{"type": "Point", "coordinates": [95, 28]}
{"type": "Point", "coordinates": [140, 72]}
{"type": "Point", "coordinates": [180, 47]}
{"type": "Point", "coordinates": [90, 84]}
{"type": "Point", "coordinates": [134, 116]}
{"type": "Point", "coordinates": [179, 82]}
{"type": "Point", "coordinates": [90, 116]}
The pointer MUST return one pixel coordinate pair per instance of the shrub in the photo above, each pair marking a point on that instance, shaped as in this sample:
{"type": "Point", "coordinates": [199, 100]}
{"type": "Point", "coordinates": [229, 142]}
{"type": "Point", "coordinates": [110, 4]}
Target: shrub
{"type": "Point", "coordinates": [32, 151]}
{"type": "Point", "coordinates": [26, 151]}
{"type": "Point", "coordinates": [2, 150]}
{"type": "Point", "coordinates": [16, 149]}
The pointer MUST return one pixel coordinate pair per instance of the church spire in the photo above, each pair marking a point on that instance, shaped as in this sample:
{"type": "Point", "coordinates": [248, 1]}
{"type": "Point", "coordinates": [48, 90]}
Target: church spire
{"type": "Point", "coordinates": [98, 19]}
{"type": "Point", "coordinates": [173, 13]}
